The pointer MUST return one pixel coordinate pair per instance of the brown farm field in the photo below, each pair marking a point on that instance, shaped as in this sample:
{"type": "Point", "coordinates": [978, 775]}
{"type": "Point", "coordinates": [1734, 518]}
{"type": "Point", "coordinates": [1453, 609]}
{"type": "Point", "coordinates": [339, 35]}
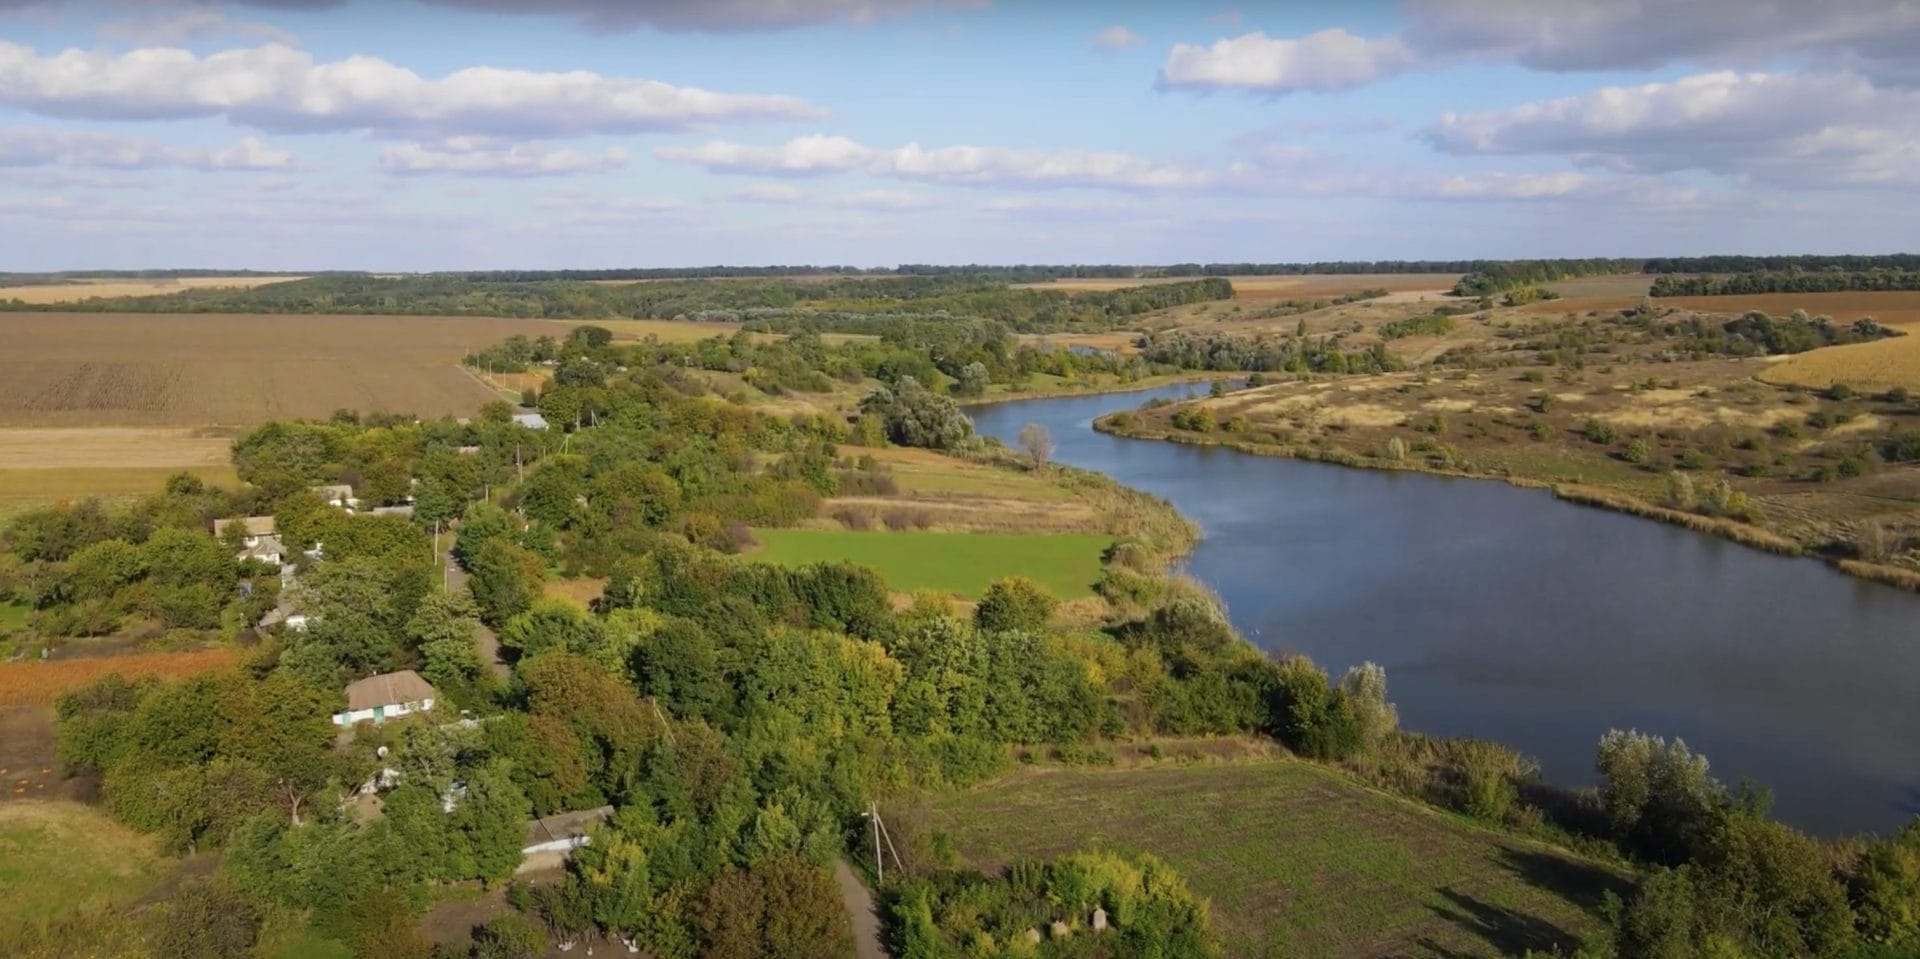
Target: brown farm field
{"type": "Point", "coordinates": [79, 290]}
{"type": "Point", "coordinates": [200, 370]}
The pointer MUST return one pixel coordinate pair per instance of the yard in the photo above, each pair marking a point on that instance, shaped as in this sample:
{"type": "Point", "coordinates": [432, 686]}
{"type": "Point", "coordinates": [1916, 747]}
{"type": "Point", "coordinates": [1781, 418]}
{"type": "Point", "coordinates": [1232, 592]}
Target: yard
{"type": "Point", "coordinates": [1067, 564]}
{"type": "Point", "coordinates": [1296, 860]}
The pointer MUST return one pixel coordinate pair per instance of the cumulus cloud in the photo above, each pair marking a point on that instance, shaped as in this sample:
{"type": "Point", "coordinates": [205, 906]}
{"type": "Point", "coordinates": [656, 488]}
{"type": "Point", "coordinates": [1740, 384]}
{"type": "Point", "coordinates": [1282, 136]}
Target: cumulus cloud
{"type": "Point", "coordinates": [490, 157]}
{"type": "Point", "coordinates": [276, 87]}
{"type": "Point", "coordinates": [32, 148]}
{"type": "Point", "coordinates": [1797, 129]}
{"type": "Point", "coordinates": [1514, 187]}
{"type": "Point", "coordinates": [712, 16]}
{"type": "Point", "coordinates": [1328, 60]}
{"type": "Point", "coordinates": [960, 165]}
{"type": "Point", "coordinates": [1066, 208]}
{"type": "Point", "coordinates": [1116, 38]}
{"type": "Point", "coordinates": [1874, 38]}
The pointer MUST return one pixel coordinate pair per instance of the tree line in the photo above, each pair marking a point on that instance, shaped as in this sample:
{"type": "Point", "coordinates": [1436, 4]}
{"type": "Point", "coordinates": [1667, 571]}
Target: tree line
{"type": "Point", "coordinates": [1793, 281]}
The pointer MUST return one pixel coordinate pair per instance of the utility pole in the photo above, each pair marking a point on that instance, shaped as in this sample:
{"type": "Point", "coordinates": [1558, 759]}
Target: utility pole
{"type": "Point", "coordinates": [879, 867]}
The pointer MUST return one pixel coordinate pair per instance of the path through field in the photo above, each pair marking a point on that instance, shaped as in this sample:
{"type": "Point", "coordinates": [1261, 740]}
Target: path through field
{"type": "Point", "coordinates": [867, 943]}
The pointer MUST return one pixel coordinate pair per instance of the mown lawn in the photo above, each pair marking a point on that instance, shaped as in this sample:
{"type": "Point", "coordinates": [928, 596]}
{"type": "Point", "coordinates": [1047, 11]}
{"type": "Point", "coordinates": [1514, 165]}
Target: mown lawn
{"type": "Point", "coordinates": [1295, 860]}
{"type": "Point", "coordinates": [59, 857]}
{"type": "Point", "coordinates": [1067, 564]}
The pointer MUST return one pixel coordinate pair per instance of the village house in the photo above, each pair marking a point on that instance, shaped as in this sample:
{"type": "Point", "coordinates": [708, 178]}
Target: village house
{"type": "Point", "coordinates": [259, 539]}
{"type": "Point", "coordinates": [339, 495]}
{"type": "Point", "coordinates": [532, 421]}
{"type": "Point", "coordinates": [386, 696]}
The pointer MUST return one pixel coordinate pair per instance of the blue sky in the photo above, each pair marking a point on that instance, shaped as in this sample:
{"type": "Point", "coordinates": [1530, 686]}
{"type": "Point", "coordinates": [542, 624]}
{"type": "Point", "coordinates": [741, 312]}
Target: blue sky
{"type": "Point", "coordinates": [451, 134]}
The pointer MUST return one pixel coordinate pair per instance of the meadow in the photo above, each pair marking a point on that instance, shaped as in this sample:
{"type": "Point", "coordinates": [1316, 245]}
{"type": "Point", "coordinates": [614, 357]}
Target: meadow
{"type": "Point", "coordinates": [58, 858]}
{"type": "Point", "coordinates": [1295, 859]}
{"type": "Point", "coordinates": [963, 564]}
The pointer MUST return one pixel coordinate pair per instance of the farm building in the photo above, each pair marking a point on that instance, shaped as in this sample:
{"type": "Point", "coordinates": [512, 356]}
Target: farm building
{"type": "Point", "coordinates": [532, 421]}
{"type": "Point", "coordinates": [552, 839]}
{"type": "Point", "coordinates": [258, 538]}
{"type": "Point", "coordinates": [339, 495]}
{"type": "Point", "coordinates": [386, 696]}
{"type": "Point", "coordinates": [405, 509]}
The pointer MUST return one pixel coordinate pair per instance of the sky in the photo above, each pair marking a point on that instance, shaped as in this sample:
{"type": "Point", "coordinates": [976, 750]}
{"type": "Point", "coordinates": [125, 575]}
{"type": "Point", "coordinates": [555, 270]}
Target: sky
{"type": "Point", "coordinates": [485, 134]}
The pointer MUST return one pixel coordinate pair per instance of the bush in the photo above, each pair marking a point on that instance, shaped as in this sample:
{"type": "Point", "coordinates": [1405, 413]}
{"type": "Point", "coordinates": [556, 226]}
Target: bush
{"type": "Point", "coordinates": [1487, 789]}
{"type": "Point", "coordinates": [1317, 720]}
{"type": "Point", "coordinates": [1600, 431]}
{"type": "Point", "coordinates": [1638, 451]}
{"type": "Point", "coordinates": [1014, 604]}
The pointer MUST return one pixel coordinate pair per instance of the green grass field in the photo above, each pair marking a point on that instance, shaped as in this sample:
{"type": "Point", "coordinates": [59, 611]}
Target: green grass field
{"type": "Point", "coordinates": [58, 858]}
{"type": "Point", "coordinates": [964, 564]}
{"type": "Point", "coordinates": [13, 616]}
{"type": "Point", "coordinates": [1296, 860]}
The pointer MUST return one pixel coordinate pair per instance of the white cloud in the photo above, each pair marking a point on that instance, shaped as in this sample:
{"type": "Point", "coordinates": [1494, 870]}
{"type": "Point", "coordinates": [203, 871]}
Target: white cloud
{"type": "Point", "coordinates": [1066, 208]}
{"type": "Point", "coordinates": [1328, 60]}
{"type": "Point", "coordinates": [1874, 38]}
{"type": "Point", "coordinates": [713, 16]}
{"type": "Point", "coordinates": [187, 25]}
{"type": "Point", "coordinates": [279, 88]}
{"type": "Point", "coordinates": [31, 147]}
{"type": "Point", "coordinates": [489, 157]}
{"type": "Point", "coordinates": [1796, 129]}
{"type": "Point", "coordinates": [788, 194]}
{"type": "Point", "coordinates": [1513, 187]}
{"type": "Point", "coordinates": [1566, 35]}
{"type": "Point", "coordinates": [960, 165]}
{"type": "Point", "coordinates": [1116, 38]}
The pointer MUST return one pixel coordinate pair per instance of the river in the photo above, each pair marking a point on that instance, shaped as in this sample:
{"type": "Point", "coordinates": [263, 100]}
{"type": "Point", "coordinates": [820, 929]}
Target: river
{"type": "Point", "coordinates": [1505, 614]}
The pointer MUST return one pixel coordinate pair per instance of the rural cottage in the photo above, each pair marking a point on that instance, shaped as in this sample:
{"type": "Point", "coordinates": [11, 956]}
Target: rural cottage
{"type": "Point", "coordinates": [257, 538]}
{"type": "Point", "coordinates": [386, 696]}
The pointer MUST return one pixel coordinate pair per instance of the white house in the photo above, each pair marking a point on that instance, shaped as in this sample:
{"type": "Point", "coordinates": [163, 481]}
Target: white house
{"type": "Point", "coordinates": [532, 421]}
{"type": "Point", "coordinates": [258, 538]}
{"type": "Point", "coordinates": [386, 696]}
{"type": "Point", "coordinates": [339, 495]}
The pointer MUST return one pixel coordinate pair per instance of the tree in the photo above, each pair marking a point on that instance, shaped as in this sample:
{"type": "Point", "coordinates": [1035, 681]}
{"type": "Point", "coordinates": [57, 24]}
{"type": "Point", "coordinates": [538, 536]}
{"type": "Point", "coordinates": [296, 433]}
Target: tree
{"type": "Point", "coordinates": [972, 380]}
{"type": "Point", "coordinates": [917, 416]}
{"type": "Point", "coordinates": [1365, 686]}
{"type": "Point", "coordinates": [1037, 443]}
{"type": "Point", "coordinates": [1657, 796]}
{"type": "Point", "coordinates": [778, 909]}
{"type": "Point", "coordinates": [507, 578]}
{"type": "Point", "coordinates": [1014, 604]}
{"type": "Point", "coordinates": [444, 630]}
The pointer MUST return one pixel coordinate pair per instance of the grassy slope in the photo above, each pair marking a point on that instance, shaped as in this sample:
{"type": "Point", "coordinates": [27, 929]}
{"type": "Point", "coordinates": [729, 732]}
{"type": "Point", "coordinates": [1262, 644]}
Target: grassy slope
{"type": "Point", "coordinates": [1296, 860]}
{"type": "Point", "coordinates": [61, 857]}
{"type": "Point", "coordinates": [961, 563]}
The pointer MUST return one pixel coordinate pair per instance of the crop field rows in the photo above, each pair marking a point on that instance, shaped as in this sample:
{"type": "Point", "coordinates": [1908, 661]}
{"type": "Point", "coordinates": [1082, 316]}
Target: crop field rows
{"type": "Point", "coordinates": [234, 370]}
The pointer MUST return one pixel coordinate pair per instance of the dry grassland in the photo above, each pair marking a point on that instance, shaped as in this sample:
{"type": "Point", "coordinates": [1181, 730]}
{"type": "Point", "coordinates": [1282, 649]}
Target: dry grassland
{"type": "Point", "coordinates": [79, 290]}
{"type": "Point", "coordinates": [43, 466]}
{"type": "Point", "coordinates": [108, 369]}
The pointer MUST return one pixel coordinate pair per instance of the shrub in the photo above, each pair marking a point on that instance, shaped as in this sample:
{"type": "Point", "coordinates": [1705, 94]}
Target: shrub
{"type": "Point", "coordinates": [1014, 604]}
{"type": "Point", "coordinates": [1600, 431]}
{"type": "Point", "coordinates": [1839, 392]}
{"type": "Point", "coordinates": [1487, 790]}
{"type": "Point", "coordinates": [1638, 451]}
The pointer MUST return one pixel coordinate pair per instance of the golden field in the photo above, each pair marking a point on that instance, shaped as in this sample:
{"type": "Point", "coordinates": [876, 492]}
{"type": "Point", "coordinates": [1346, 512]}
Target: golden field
{"type": "Point", "coordinates": [79, 290]}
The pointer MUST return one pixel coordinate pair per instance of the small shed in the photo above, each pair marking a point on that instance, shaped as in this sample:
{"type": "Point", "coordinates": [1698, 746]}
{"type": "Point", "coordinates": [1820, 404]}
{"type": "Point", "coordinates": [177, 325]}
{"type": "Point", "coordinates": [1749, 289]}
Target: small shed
{"type": "Point", "coordinates": [386, 696]}
{"type": "Point", "coordinates": [532, 421]}
{"type": "Point", "coordinates": [552, 839]}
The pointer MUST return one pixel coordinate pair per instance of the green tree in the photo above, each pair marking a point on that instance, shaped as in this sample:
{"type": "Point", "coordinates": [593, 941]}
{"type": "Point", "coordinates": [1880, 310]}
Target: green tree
{"type": "Point", "coordinates": [1014, 604]}
{"type": "Point", "coordinates": [445, 631]}
{"type": "Point", "coordinates": [506, 580]}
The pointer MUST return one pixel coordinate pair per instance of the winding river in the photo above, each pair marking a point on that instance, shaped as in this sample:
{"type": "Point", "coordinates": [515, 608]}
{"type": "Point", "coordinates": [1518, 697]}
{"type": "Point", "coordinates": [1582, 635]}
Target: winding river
{"type": "Point", "coordinates": [1505, 614]}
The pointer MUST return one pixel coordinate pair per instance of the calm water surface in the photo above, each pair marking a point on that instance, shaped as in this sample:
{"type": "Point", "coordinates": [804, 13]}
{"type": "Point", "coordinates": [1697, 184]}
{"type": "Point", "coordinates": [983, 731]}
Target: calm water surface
{"type": "Point", "coordinates": [1505, 614]}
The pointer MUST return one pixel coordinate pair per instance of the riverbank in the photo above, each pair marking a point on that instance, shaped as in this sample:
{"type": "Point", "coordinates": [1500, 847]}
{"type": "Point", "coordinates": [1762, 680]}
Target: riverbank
{"type": "Point", "coordinates": [1102, 385]}
{"type": "Point", "coordinates": [1391, 423]}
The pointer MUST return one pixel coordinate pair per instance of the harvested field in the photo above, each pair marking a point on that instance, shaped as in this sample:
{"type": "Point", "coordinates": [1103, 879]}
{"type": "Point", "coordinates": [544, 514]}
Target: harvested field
{"type": "Point", "coordinates": [79, 290]}
{"type": "Point", "coordinates": [34, 683]}
{"type": "Point", "coordinates": [1877, 366]}
{"type": "Point", "coordinates": [1294, 859]}
{"type": "Point", "coordinates": [39, 467]}
{"type": "Point", "coordinates": [1891, 308]}
{"type": "Point", "coordinates": [1624, 286]}
{"type": "Point", "coordinates": [113, 369]}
